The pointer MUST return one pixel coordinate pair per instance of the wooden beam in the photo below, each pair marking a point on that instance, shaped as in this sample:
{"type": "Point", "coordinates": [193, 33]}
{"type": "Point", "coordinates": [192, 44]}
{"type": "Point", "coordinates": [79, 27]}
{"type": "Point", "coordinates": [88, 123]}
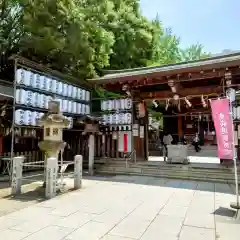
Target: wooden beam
{"type": "Point", "coordinates": [152, 80]}
{"type": "Point", "coordinates": [197, 91]}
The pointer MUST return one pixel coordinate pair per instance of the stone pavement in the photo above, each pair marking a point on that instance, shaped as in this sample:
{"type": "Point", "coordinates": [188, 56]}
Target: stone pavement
{"type": "Point", "coordinates": [129, 207]}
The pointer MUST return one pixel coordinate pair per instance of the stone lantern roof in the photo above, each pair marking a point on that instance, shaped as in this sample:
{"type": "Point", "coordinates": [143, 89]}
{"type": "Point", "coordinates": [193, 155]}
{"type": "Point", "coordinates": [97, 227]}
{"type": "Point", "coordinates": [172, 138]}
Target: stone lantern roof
{"type": "Point", "coordinates": [54, 115]}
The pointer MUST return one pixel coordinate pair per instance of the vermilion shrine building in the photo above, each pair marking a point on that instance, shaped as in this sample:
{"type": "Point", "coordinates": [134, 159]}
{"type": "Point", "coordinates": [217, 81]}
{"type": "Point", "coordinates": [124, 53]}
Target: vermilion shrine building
{"type": "Point", "coordinates": [180, 91]}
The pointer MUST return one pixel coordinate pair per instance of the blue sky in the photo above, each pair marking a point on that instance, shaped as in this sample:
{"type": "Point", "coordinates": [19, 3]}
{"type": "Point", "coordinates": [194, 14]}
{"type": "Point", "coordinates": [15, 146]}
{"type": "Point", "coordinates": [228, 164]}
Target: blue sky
{"type": "Point", "coordinates": [213, 23]}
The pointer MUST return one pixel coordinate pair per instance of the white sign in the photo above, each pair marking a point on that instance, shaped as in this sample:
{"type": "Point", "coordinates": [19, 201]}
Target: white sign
{"type": "Point", "coordinates": [141, 132]}
{"type": "Point", "coordinates": [135, 130]}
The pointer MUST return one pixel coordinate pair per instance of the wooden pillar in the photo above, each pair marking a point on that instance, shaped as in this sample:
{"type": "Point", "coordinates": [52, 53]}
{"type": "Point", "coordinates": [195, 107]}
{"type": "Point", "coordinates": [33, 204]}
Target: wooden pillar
{"type": "Point", "coordinates": [180, 126]}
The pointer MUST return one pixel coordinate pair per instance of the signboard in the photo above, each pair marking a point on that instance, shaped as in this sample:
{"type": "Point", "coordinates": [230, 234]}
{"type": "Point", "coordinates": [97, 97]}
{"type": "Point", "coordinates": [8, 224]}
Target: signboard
{"type": "Point", "coordinates": [141, 131]}
{"type": "Point", "coordinates": [135, 130]}
{"type": "Point", "coordinates": [224, 128]}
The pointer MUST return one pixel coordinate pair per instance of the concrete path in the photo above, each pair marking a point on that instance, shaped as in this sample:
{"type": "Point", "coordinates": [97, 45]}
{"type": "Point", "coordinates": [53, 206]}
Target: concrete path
{"type": "Point", "coordinates": [128, 207]}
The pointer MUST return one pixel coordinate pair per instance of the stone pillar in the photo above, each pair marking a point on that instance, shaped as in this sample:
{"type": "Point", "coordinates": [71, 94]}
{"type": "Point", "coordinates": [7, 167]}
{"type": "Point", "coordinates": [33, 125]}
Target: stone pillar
{"type": "Point", "coordinates": [51, 177]}
{"type": "Point", "coordinates": [91, 145]}
{"type": "Point", "coordinates": [78, 171]}
{"type": "Point", "coordinates": [17, 175]}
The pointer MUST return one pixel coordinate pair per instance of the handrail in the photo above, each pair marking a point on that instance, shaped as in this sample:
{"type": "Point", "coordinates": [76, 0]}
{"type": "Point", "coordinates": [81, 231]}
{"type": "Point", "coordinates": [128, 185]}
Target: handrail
{"type": "Point", "coordinates": [130, 156]}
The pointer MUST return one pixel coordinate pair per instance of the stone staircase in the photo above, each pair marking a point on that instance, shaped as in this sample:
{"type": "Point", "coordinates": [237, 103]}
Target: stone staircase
{"type": "Point", "coordinates": [193, 171]}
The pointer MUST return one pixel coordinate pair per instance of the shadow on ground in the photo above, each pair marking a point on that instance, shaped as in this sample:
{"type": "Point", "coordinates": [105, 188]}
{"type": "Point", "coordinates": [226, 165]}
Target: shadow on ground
{"type": "Point", "coordinates": [163, 182]}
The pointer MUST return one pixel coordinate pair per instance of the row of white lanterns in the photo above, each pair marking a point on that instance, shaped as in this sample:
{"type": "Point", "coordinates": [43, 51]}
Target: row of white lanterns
{"type": "Point", "coordinates": [116, 104]}
{"type": "Point", "coordinates": [122, 118]}
{"type": "Point", "coordinates": [30, 118]}
{"type": "Point", "coordinates": [28, 78]}
{"type": "Point", "coordinates": [35, 99]}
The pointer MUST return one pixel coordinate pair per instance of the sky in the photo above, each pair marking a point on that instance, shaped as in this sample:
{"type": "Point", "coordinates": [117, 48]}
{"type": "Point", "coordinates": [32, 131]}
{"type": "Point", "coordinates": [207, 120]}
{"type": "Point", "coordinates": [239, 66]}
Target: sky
{"type": "Point", "coordinates": [212, 23]}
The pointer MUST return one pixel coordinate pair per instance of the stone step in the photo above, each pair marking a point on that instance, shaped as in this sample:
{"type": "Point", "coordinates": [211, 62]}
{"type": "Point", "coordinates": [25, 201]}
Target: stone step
{"type": "Point", "coordinates": [172, 167]}
{"type": "Point", "coordinates": [180, 173]}
{"type": "Point", "coordinates": [192, 178]}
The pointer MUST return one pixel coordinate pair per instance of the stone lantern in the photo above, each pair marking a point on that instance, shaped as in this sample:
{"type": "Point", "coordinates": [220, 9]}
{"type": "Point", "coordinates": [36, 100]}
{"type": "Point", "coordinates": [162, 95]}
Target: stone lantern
{"type": "Point", "coordinates": [53, 122]}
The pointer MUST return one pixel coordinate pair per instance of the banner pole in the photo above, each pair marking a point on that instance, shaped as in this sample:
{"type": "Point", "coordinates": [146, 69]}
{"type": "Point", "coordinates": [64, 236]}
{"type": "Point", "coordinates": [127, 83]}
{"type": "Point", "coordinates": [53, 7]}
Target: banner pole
{"type": "Point", "coordinates": [234, 205]}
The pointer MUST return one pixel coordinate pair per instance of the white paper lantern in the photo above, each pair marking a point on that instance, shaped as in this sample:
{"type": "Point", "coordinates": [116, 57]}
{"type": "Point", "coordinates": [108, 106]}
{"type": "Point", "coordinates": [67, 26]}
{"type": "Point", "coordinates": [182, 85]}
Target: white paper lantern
{"type": "Point", "coordinates": [87, 109]}
{"type": "Point", "coordinates": [87, 96]}
{"type": "Point", "coordinates": [57, 86]}
{"type": "Point", "coordinates": [17, 116]}
{"type": "Point", "coordinates": [104, 105]}
{"type": "Point", "coordinates": [21, 96]}
{"type": "Point", "coordinates": [27, 117]}
{"type": "Point", "coordinates": [48, 84]}
{"type": "Point", "coordinates": [121, 118]}
{"type": "Point", "coordinates": [29, 98]}
{"type": "Point", "coordinates": [60, 88]}
{"type": "Point", "coordinates": [42, 82]}
{"type": "Point", "coordinates": [27, 76]}
{"type": "Point", "coordinates": [34, 122]}
{"type": "Point", "coordinates": [79, 93]}
{"type": "Point", "coordinates": [36, 81]}
{"type": "Point", "coordinates": [79, 108]}
{"type": "Point", "coordinates": [83, 109]}
{"type": "Point", "coordinates": [109, 118]}
{"type": "Point", "coordinates": [83, 95]}
{"type": "Point", "coordinates": [116, 104]}
{"type": "Point", "coordinates": [70, 107]}
{"type": "Point", "coordinates": [105, 118]}
{"type": "Point", "coordinates": [231, 94]}
{"type": "Point", "coordinates": [116, 118]}
{"type": "Point", "coordinates": [42, 100]}
{"type": "Point", "coordinates": [54, 86]}
{"type": "Point", "coordinates": [234, 113]}
{"type": "Point", "coordinates": [20, 75]}
{"type": "Point", "coordinates": [65, 105]}
{"type": "Point", "coordinates": [122, 104]}
{"type": "Point", "coordinates": [74, 110]}
{"type": "Point", "coordinates": [113, 118]}
{"type": "Point", "coordinates": [70, 89]}
{"type": "Point", "coordinates": [65, 89]}
{"type": "Point", "coordinates": [31, 77]}
{"type": "Point", "coordinates": [128, 103]}
{"type": "Point", "coordinates": [128, 118]}
{"type": "Point", "coordinates": [74, 92]}
{"type": "Point", "coordinates": [238, 112]}
{"type": "Point", "coordinates": [110, 105]}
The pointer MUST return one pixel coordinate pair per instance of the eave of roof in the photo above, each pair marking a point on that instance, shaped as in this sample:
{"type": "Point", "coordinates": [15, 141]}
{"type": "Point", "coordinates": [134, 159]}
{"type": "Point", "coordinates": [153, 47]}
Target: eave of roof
{"type": "Point", "coordinates": [54, 73]}
{"type": "Point", "coordinates": [200, 64]}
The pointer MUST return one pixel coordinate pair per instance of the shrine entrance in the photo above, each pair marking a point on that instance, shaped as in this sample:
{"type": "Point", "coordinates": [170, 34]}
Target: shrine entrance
{"type": "Point", "coordinates": [181, 92]}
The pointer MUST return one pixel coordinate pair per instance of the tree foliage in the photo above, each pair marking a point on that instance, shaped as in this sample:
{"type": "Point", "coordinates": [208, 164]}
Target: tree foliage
{"type": "Point", "coordinates": [193, 52]}
{"type": "Point", "coordinates": [83, 37]}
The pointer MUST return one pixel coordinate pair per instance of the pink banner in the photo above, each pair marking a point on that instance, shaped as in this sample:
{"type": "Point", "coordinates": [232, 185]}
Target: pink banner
{"type": "Point", "coordinates": [223, 127]}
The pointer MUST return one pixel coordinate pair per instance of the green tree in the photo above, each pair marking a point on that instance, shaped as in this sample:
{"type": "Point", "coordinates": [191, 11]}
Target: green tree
{"type": "Point", "coordinates": [11, 31]}
{"type": "Point", "coordinates": [165, 45]}
{"type": "Point", "coordinates": [64, 35]}
{"type": "Point", "coordinates": [193, 52]}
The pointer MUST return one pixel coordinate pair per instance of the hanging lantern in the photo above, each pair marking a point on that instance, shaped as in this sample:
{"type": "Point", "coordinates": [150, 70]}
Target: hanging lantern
{"type": "Point", "coordinates": [228, 78]}
{"type": "Point", "coordinates": [179, 105]}
{"type": "Point", "coordinates": [176, 97]}
{"type": "Point", "coordinates": [203, 102]}
{"type": "Point", "coordinates": [155, 103]}
{"type": "Point", "coordinates": [187, 102]}
{"type": "Point", "coordinates": [171, 84]}
{"type": "Point", "coordinates": [167, 104]}
{"type": "Point", "coordinates": [231, 94]}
